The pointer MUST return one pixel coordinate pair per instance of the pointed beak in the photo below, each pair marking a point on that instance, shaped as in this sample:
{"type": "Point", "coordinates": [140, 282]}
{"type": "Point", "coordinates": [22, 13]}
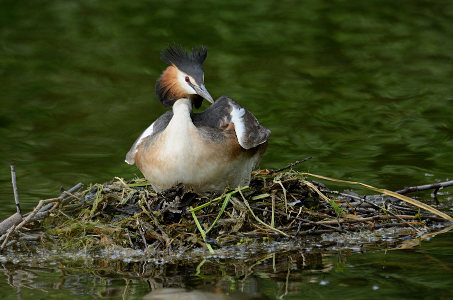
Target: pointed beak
{"type": "Point", "coordinates": [203, 92]}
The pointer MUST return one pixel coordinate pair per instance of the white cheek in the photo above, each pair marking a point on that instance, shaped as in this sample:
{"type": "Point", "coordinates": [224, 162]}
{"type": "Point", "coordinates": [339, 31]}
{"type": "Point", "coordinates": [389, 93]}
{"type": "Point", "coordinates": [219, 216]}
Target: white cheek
{"type": "Point", "coordinates": [182, 83]}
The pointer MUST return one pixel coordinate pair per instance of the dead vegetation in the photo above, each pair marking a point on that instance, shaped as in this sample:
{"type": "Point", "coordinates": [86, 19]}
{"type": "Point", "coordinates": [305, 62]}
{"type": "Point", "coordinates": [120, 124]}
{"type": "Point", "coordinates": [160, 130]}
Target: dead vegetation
{"type": "Point", "coordinates": [279, 206]}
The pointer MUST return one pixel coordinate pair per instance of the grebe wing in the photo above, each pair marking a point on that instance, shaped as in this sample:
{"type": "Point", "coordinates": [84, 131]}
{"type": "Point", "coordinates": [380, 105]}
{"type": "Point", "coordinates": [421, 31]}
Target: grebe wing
{"type": "Point", "coordinates": [157, 126]}
{"type": "Point", "coordinates": [225, 111]}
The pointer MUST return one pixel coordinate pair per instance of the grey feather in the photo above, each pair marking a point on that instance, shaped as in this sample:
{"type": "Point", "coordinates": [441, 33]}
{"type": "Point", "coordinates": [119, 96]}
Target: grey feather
{"type": "Point", "coordinates": [220, 112]}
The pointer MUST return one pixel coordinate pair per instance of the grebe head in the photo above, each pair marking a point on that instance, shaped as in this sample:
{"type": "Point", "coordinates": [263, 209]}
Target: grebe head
{"type": "Point", "coordinates": [184, 78]}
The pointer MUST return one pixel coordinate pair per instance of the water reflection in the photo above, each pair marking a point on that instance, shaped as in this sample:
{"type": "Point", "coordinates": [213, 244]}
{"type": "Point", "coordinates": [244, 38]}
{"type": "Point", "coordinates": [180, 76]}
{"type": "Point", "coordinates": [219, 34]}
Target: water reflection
{"type": "Point", "coordinates": [211, 279]}
{"type": "Point", "coordinates": [305, 275]}
{"type": "Point", "coordinates": [183, 294]}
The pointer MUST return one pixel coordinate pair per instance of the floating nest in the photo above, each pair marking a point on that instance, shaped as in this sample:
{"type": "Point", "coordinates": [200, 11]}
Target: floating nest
{"type": "Point", "coordinates": [278, 211]}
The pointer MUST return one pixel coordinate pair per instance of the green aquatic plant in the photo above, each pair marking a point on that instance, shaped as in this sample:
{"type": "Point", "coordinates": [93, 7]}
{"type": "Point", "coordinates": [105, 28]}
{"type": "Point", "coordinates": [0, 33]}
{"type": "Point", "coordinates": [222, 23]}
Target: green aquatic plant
{"type": "Point", "coordinates": [339, 211]}
{"type": "Point", "coordinates": [280, 206]}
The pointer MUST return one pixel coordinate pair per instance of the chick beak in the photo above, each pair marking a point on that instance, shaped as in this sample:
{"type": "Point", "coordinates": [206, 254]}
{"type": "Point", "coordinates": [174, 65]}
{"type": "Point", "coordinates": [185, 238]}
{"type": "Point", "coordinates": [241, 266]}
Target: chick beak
{"type": "Point", "coordinates": [203, 92]}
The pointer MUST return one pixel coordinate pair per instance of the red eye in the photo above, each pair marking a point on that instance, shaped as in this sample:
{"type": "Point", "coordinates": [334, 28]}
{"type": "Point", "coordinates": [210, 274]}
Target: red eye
{"type": "Point", "coordinates": [187, 79]}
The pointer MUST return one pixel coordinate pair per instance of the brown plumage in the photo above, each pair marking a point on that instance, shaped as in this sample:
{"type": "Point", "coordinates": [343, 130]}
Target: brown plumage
{"type": "Point", "coordinates": [205, 151]}
{"type": "Point", "coordinates": [169, 83]}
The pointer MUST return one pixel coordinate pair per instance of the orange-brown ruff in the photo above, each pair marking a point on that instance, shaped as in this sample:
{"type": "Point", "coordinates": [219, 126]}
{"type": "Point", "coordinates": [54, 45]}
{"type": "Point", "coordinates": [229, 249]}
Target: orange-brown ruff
{"type": "Point", "coordinates": [205, 151]}
{"type": "Point", "coordinates": [169, 80]}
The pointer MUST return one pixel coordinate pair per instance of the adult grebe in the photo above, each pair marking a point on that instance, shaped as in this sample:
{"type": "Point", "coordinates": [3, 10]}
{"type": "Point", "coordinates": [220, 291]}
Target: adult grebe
{"type": "Point", "coordinates": [205, 151]}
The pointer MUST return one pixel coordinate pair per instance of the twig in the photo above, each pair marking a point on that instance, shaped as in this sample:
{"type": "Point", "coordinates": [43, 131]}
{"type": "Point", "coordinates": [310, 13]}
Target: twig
{"type": "Point", "coordinates": [258, 219]}
{"type": "Point", "coordinates": [387, 217]}
{"type": "Point", "coordinates": [290, 165]}
{"type": "Point", "coordinates": [284, 196]}
{"type": "Point", "coordinates": [314, 188]}
{"type": "Point", "coordinates": [15, 228]}
{"type": "Point", "coordinates": [273, 210]}
{"type": "Point", "coordinates": [425, 187]}
{"type": "Point", "coordinates": [36, 210]}
{"type": "Point", "coordinates": [16, 194]}
{"type": "Point", "coordinates": [129, 238]}
{"type": "Point", "coordinates": [70, 194]}
{"type": "Point", "coordinates": [307, 221]}
{"type": "Point", "coordinates": [392, 213]}
{"type": "Point", "coordinates": [162, 231]}
{"type": "Point", "coordinates": [324, 190]}
{"type": "Point", "coordinates": [10, 221]}
{"type": "Point", "coordinates": [373, 205]}
{"type": "Point", "coordinates": [122, 182]}
{"type": "Point", "coordinates": [435, 196]}
{"type": "Point", "coordinates": [388, 193]}
{"type": "Point", "coordinates": [142, 234]}
{"type": "Point", "coordinates": [63, 195]}
{"type": "Point", "coordinates": [7, 235]}
{"type": "Point", "coordinates": [315, 232]}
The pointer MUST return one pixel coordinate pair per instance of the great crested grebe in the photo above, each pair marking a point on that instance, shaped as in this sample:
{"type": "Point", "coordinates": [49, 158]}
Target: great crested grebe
{"type": "Point", "coordinates": [205, 151]}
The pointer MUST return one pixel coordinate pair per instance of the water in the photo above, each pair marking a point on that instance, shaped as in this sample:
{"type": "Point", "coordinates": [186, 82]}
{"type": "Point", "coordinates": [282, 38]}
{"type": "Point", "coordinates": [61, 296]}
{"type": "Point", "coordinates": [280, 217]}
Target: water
{"type": "Point", "coordinates": [421, 273]}
{"type": "Point", "coordinates": [363, 87]}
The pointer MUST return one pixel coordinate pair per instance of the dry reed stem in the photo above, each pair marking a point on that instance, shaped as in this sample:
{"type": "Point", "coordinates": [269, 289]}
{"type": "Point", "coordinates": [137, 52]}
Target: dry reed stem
{"type": "Point", "coordinates": [258, 219]}
{"type": "Point", "coordinates": [389, 193]}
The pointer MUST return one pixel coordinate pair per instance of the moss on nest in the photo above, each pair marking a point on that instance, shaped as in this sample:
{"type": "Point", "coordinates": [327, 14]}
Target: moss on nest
{"type": "Point", "coordinates": [281, 206]}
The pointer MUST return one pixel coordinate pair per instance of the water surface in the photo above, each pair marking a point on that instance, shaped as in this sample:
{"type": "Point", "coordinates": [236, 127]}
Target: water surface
{"type": "Point", "coordinates": [362, 87]}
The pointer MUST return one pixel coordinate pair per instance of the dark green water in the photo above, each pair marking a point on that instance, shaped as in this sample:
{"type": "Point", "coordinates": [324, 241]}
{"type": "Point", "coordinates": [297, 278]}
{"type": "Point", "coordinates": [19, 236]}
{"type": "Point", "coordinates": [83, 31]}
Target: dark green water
{"type": "Point", "coordinates": [365, 87]}
{"type": "Point", "coordinates": [421, 273]}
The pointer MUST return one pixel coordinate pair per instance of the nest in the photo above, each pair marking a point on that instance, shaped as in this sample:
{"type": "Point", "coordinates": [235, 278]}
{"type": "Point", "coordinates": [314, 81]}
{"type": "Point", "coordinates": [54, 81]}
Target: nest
{"type": "Point", "coordinates": [277, 210]}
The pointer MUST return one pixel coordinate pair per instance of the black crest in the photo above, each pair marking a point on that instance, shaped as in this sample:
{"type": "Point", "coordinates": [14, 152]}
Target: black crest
{"type": "Point", "coordinates": [188, 62]}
